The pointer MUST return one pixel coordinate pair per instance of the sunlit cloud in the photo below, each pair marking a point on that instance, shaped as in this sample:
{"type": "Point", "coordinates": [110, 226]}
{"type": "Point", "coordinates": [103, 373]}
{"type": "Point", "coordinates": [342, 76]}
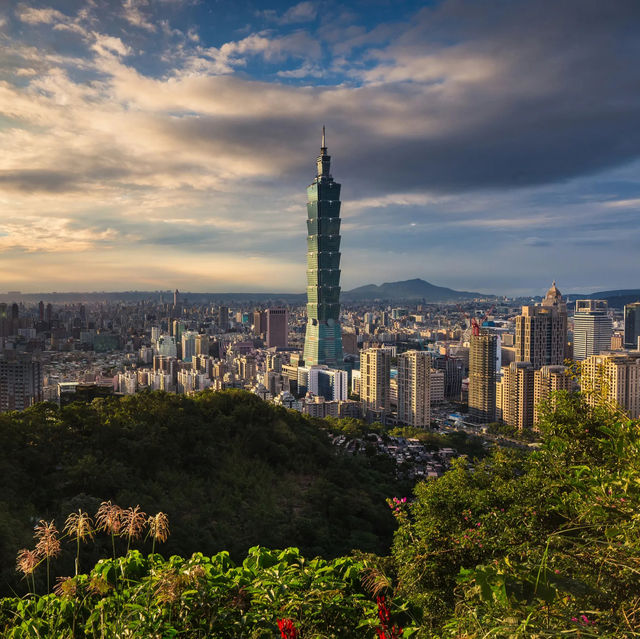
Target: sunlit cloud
{"type": "Point", "coordinates": [137, 132]}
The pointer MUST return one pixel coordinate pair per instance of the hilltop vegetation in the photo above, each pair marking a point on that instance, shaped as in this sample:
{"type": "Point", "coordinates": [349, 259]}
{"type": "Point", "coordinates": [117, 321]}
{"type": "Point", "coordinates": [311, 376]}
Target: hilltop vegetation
{"type": "Point", "coordinates": [542, 544]}
{"type": "Point", "coordinates": [230, 471]}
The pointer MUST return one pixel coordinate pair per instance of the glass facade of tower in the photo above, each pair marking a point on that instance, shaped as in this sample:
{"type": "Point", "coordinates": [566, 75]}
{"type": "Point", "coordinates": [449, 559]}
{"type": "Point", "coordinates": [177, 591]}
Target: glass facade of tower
{"type": "Point", "coordinates": [323, 340]}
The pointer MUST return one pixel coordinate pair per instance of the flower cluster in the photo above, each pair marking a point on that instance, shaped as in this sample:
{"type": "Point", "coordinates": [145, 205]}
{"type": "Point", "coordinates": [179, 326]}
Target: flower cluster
{"type": "Point", "coordinates": [287, 629]}
{"type": "Point", "coordinates": [397, 504]}
{"type": "Point", "coordinates": [386, 630]}
{"type": "Point", "coordinates": [583, 620]}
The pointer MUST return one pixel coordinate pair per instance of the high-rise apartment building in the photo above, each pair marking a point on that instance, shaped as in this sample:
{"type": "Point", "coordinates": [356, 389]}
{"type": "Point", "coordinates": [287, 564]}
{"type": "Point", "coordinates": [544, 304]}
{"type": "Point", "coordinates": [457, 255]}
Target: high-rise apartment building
{"type": "Point", "coordinates": [375, 374]}
{"type": "Point", "coordinates": [631, 325]}
{"type": "Point", "coordinates": [259, 323]}
{"type": "Point", "coordinates": [517, 395]}
{"type": "Point", "coordinates": [482, 377]}
{"type": "Point", "coordinates": [277, 327]}
{"type": "Point", "coordinates": [323, 339]}
{"type": "Point", "coordinates": [612, 378]}
{"type": "Point", "coordinates": [20, 383]}
{"type": "Point", "coordinates": [592, 328]}
{"type": "Point", "coordinates": [541, 331]}
{"type": "Point", "coordinates": [202, 344]}
{"type": "Point", "coordinates": [547, 381]}
{"type": "Point", "coordinates": [223, 318]}
{"type": "Point", "coordinates": [414, 398]}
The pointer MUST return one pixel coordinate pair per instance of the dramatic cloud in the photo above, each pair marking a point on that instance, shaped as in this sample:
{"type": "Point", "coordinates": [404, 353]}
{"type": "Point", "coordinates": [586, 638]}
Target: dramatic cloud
{"type": "Point", "coordinates": [465, 135]}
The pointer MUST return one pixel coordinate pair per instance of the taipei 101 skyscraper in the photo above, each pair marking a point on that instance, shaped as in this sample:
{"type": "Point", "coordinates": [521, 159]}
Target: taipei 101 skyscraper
{"type": "Point", "coordinates": [323, 339]}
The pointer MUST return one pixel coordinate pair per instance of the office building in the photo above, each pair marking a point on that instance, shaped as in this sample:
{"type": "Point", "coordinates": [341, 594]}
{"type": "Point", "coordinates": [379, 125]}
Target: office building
{"type": "Point", "coordinates": [166, 346]}
{"type": "Point", "coordinates": [631, 325]}
{"type": "Point", "coordinates": [482, 378]}
{"type": "Point", "coordinates": [330, 383]}
{"type": "Point", "coordinates": [375, 374]}
{"type": "Point", "coordinates": [277, 327]}
{"type": "Point", "coordinates": [188, 345]}
{"type": "Point", "coordinates": [323, 339]}
{"type": "Point", "coordinates": [612, 379]}
{"type": "Point", "coordinates": [541, 331]}
{"type": "Point", "coordinates": [414, 383]}
{"type": "Point", "coordinates": [592, 328]}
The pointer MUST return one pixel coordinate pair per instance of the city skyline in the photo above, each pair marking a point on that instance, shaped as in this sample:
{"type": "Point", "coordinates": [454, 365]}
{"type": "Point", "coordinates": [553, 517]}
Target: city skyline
{"type": "Point", "coordinates": [155, 145]}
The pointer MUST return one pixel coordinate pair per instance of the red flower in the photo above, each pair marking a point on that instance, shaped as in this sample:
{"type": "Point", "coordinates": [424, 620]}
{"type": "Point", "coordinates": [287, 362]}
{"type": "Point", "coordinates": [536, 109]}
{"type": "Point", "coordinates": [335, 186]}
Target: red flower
{"type": "Point", "coordinates": [386, 630]}
{"type": "Point", "coordinates": [287, 629]}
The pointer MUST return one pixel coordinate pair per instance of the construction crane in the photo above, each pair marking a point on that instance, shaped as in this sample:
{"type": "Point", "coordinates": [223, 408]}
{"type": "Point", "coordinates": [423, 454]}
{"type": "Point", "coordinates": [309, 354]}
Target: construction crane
{"type": "Point", "coordinates": [475, 325]}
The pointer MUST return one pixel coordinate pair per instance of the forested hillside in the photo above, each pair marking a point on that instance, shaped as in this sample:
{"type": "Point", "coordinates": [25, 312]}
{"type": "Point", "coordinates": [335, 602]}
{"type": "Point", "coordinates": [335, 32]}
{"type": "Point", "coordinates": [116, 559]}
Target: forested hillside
{"type": "Point", "coordinates": [543, 544]}
{"type": "Point", "coordinates": [230, 471]}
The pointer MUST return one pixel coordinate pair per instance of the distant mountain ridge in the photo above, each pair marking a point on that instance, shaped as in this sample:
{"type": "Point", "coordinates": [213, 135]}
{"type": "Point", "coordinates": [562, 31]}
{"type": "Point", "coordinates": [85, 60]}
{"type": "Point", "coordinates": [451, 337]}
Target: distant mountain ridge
{"type": "Point", "coordinates": [406, 290]}
{"type": "Point", "coordinates": [415, 289]}
{"type": "Point", "coordinates": [616, 298]}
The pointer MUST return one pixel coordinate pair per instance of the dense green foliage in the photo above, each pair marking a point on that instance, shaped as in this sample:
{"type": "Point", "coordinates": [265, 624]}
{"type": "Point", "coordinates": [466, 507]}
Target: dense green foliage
{"type": "Point", "coordinates": [230, 471]}
{"type": "Point", "coordinates": [539, 545]}
{"type": "Point", "coordinates": [146, 597]}
{"type": "Point", "coordinates": [519, 544]}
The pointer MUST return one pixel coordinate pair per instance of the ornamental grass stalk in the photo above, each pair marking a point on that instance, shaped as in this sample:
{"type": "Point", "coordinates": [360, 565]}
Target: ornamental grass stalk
{"type": "Point", "coordinates": [26, 563]}
{"type": "Point", "coordinates": [133, 521]}
{"type": "Point", "coordinates": [109, 519]}
{"type": "Point", "coordinates": [48, 544]}
{"type": "Point", "coordinates": [80, 526]}
{"type": "Point", "coordinates": [158, 529]}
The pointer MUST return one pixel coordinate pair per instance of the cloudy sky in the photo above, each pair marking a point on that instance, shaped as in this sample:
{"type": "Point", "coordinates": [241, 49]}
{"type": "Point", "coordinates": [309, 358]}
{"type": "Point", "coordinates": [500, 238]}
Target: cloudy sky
{"type": "Point", "coordinates": [491, 146]}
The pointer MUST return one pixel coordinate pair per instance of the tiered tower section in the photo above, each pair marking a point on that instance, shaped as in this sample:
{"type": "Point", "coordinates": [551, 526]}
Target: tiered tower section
{"type": "Point", "coordinates": [323, 340]}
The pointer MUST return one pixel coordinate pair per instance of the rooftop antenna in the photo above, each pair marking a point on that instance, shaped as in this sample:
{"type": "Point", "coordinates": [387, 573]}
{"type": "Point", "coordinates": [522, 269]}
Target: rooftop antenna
{"type": "Point", "coordinates": [324, 146]}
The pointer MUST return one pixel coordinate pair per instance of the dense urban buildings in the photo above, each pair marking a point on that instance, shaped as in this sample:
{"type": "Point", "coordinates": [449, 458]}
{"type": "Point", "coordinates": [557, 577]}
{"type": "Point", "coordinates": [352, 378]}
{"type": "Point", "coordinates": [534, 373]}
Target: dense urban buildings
{"type": "Point", "coordinates": [323, 339]}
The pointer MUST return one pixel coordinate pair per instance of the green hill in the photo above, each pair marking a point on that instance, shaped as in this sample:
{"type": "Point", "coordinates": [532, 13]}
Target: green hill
{"type": "Point", "coordinates": [230, 471]}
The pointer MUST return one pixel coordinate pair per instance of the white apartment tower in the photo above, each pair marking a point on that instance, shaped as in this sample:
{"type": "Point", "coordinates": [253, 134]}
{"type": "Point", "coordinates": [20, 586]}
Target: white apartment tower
{"type": "Point", "coordinates": [414, 399]}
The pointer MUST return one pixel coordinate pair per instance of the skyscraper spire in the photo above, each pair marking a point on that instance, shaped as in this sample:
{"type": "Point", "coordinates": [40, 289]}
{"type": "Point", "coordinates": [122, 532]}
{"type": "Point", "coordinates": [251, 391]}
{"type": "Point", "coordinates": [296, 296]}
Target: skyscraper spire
{"type": "Point", "coordinates": [324, 159]}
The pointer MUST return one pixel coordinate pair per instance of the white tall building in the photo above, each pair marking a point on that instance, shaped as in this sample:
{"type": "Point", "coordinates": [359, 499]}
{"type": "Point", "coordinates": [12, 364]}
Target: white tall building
{"type": "Point", "coordinates": [592, 328]}
{"type": "Point", "coordinates": [330, 383]}
{"type": "Point", "coordinates": [414, 383]}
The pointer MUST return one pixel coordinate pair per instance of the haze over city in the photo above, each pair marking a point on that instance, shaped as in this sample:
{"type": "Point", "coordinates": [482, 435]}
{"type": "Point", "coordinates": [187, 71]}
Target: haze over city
{"type": "Point", "coordinates": [486, 146]}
